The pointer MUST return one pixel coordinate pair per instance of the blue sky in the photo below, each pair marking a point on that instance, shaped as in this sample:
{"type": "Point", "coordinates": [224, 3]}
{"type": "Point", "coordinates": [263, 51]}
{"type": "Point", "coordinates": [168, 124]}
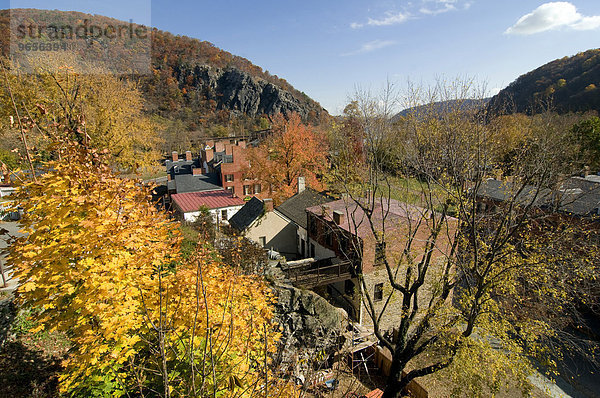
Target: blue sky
{"type": "Point", "coordinates": [327, 48]}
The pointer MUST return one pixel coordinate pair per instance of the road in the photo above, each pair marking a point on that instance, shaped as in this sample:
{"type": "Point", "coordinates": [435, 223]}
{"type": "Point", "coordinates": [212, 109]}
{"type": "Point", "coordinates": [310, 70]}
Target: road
{"type": "Point", "coordinates": [13, 229]}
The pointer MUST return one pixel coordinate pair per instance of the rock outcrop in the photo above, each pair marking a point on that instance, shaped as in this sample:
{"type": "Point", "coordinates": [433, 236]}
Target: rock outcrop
{"type": "Point", "coordinates": [312, 329]}
{"type": "Point", "coordinates": [239, 92]}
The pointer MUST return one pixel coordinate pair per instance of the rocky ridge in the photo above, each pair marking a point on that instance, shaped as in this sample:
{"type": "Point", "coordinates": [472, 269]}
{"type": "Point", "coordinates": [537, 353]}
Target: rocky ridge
{"type": "Point", "coordinates": [239, 92]}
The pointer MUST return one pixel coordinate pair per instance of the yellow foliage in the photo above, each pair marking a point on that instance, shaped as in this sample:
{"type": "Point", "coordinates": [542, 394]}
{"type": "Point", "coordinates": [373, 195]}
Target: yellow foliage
{"type": "Point", "coordinates": [99, 107]}
{"type": "Point", "coordinates": [102, 265]}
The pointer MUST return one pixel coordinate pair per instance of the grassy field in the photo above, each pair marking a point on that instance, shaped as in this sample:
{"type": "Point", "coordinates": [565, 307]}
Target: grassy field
{"type": "Point", "coordinates": [412, 191]}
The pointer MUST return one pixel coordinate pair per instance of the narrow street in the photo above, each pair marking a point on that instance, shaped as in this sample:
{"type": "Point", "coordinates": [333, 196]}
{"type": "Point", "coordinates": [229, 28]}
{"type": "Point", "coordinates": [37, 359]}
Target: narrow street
{"type": "Point", "coordinates": [13, 230]}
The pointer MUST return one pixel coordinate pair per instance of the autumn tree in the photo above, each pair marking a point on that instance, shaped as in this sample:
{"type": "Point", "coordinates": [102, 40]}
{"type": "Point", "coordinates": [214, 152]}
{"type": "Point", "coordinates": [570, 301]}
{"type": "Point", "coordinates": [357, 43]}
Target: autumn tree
{"type": "Point", "coordinates": [457, 287]}
{"type": "Point", "coordinates": [587, 134]}
{"type": "Point", "coordinates": [103, 266]}
{"type": "Point", "coordinates": [99, 109]}
{"type": "Point", "coordinates": [294, 150]}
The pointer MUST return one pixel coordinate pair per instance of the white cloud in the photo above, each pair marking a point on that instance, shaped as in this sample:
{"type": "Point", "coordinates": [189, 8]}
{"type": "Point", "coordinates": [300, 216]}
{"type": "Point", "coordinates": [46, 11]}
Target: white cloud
{"type": "Point", "coordinates": [390, 18]}
{"type": "Point", "coordinates": [447, 7]}
{"type": "Point", "coordinates": [424, 7]}
{"type": "Point", "coordinates": [439, 6]}
{"type": "Point", "coordinates": [553, 15]}
{"type": "Point", "coordinates": [587, 23]}
{"type": "Point", "coordinates": [371, 46]}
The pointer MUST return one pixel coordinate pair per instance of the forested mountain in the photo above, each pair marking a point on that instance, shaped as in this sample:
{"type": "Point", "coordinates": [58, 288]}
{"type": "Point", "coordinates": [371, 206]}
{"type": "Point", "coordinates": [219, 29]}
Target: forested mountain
{"type": "Point", "coordinates": [192, 83]}
{"type": "Point", "coordinates": [442, 106]}
{"type": "Point", "coordinates": [565, 85]}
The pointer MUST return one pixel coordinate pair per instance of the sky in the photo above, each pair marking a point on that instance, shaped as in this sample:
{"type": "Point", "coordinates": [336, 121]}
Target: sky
{"type": "Point", "coordinates": [328, 48]}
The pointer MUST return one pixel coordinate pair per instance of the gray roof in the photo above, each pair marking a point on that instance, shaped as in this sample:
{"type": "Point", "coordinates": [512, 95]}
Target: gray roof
{"type": "Point", "coordinates": [195, 183]}
{"type": "Point", "coordinates": [245, 216]}
{"type": "Point", "coordinates": [576, 196]}
{"type": "Point", "coordinates": [181, 166]}
{"type": "Point", "coordinates": [580, 196]}
{"type": "Point", "coordinates": [222, 157]}
{"type": "Point", "coordinates": [295, 207]}
{"type": "Point", "coordinates": [505, 190]}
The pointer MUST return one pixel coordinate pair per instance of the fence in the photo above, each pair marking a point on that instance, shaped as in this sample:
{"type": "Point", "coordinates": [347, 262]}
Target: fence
{"type": "Point", "coordinates": [318, 273]}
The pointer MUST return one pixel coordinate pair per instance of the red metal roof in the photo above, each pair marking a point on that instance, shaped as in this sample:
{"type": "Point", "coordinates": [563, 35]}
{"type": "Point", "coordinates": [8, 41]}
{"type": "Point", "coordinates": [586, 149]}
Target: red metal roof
{"type": "Point", "coordinates": [192, 201]}
{"type": "Point", "coordinates": [377, 393]}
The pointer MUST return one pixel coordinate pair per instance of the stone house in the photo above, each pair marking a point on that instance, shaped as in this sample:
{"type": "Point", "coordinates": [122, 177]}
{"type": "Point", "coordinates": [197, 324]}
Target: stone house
{"type": "Point", "coordinates": [341, 233]}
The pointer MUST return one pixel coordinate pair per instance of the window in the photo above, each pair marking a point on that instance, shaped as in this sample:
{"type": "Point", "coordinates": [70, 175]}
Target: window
{"type": "Point", "coordinates": [329, 238]}
{"type": "Point", "coordinates": [247, 190]}
{"type": "Point", "coordinates": [379, 253]}
{"type": "Point", "coordinates": [228, 177]}
{"type": "Point", "coordinates": [257, 188]}
{"type": "Point", "coordinates": [302, 247]}
{"type": "Point", "coordinates": [231, 190]}
{"type": "Point", "coordinates": [312, 225]}
{"type": "Point", "coordinates": [312, 250]}
{"type": "Point", "coordinates": [262, 241]}
{"type": "Point", "coordinates": [224, 215]}
{"type": "Point", "coordinates": [378, 293]}
{"type": "Point", "coordinates": [343, 244]}
{"type": "Point", "coordinates": [349, 287]}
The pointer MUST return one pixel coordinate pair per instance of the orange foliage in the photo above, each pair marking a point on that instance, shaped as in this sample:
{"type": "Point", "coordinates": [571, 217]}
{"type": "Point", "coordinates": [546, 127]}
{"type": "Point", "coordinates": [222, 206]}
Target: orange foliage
{"type": "Point", "coordinates": [294, 150]}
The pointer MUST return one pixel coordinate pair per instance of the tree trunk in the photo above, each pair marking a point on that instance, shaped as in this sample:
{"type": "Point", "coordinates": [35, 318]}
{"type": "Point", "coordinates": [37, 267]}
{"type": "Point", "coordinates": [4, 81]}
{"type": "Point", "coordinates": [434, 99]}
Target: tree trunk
{"type": "Point", "coordinates": [395, 382]}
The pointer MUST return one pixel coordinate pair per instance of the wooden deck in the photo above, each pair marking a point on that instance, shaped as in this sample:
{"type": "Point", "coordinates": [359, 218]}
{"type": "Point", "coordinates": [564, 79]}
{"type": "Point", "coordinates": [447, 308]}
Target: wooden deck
{"type": "Point", "coordinates": [319, 273]}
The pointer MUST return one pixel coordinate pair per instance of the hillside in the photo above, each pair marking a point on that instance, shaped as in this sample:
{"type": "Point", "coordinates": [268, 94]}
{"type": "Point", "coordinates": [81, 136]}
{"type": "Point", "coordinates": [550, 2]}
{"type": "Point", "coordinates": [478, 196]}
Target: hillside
{"type": "Point", "coordinates": [442, 106]}
{"type": "Point", "coordinates": [192, 82]}
{"type": "Point", "coordinates": [569, 84]}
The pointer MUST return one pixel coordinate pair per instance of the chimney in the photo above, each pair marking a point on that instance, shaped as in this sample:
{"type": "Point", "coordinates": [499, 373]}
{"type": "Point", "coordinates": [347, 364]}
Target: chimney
{"type": "Point", "coordinates": [301, 184]}
{"type": "Point", "coordinates": [268, 204]}
{"type": "Point", "coordinates": [197, 171]}
{"type": "Point", "coordinates": [175, 157]}
{"type": "Point", "coordinates": [339, 217]}
{"type": "Point", "coordinates": [188, 156]}
{"type": "Point", "coordinates": [208, 154]}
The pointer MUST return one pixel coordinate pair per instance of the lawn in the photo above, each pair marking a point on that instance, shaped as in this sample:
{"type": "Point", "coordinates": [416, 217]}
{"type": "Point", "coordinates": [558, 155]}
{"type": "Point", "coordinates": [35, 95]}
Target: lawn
{"type": "Point", "coordinates": [412, 191]}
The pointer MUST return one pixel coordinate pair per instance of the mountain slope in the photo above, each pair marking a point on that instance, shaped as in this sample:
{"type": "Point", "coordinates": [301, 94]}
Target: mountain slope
{"type": "Point", "coordinates": [569, 84]}
{"type": "Point", "coordinates": [192, 82]}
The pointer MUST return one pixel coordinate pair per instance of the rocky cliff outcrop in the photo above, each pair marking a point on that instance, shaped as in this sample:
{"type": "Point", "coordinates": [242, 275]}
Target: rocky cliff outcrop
{"type": "Point", "coordinates": [312, 329]}
{"type": "Point", "coordinates": [239, 92]}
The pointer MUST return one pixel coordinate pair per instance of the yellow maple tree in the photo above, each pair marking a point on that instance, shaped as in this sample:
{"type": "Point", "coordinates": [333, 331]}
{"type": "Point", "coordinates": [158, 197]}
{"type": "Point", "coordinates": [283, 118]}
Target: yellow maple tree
{"type": "Point", "coordinates": [103, 266]}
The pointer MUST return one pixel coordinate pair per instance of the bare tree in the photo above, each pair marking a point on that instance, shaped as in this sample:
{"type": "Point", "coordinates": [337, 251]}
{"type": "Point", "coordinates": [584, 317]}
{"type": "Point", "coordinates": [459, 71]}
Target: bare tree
{"type": "Point", "coordinates": [453, 261]}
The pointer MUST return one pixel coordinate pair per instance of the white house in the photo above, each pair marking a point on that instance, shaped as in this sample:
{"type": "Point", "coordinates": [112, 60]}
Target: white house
{"type": "Point", "coordinates": [220, 203]}
{"type": "Point", "coordinates": [283, 228]}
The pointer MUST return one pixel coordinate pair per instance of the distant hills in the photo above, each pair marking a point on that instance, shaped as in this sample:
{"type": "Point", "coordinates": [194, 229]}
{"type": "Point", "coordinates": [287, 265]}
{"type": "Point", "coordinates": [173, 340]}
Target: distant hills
{"type": "Point", "coordinates": [441, 107]}
{"type": "Point", "coordinates": [192, 81]}
{"type": "Point", "coordinates": [569, 84]}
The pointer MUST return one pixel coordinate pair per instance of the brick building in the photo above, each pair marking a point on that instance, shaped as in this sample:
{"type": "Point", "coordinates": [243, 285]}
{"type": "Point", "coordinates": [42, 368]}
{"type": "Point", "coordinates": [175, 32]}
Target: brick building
{"type": "Point", "coordinates": [340, 232]}
{"type": "Point", "coordinates": [227, 158]}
